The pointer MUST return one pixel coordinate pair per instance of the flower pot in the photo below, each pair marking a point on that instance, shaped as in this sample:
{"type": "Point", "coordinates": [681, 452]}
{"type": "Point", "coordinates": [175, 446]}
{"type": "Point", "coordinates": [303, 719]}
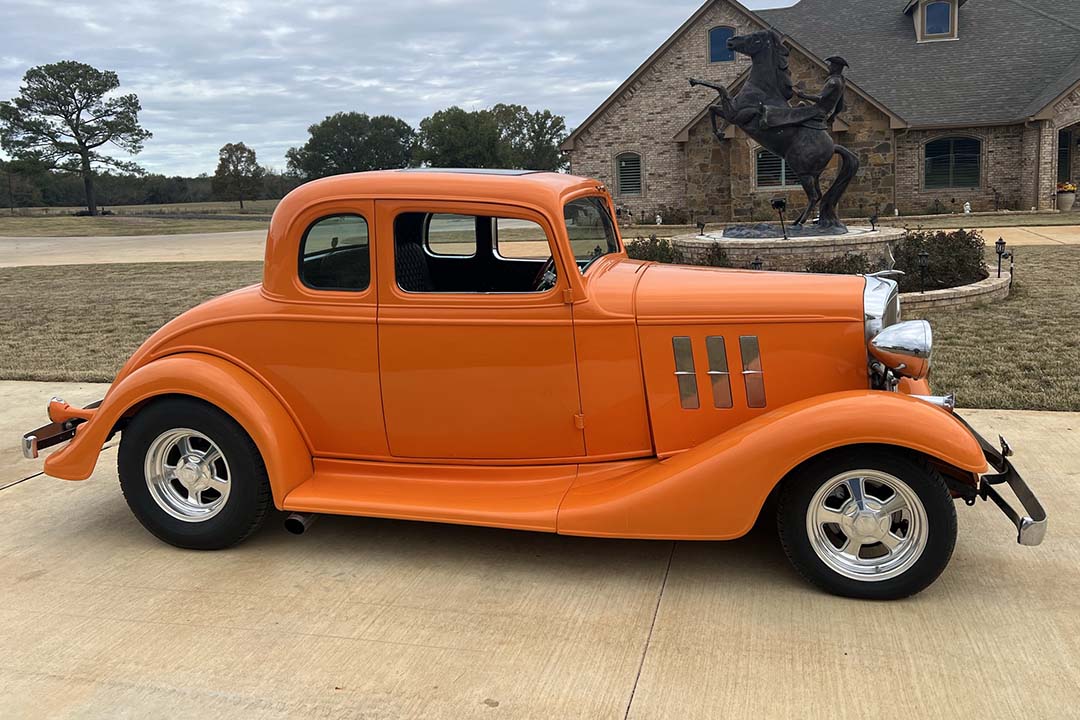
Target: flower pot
{"type": "Point", "coordinates": [1065, 201]}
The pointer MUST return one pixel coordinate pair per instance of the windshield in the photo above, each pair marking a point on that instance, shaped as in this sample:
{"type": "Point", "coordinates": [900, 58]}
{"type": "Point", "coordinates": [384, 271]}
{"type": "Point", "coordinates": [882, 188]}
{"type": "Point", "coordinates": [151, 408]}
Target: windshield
{"type": "Point", "coordinates": [591, 229]}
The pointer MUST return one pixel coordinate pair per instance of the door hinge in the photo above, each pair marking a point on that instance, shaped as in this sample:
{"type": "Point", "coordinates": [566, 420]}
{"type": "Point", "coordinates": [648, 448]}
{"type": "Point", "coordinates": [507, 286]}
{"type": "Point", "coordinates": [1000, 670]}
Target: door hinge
{"type": "Point", "coordinates": [568, 296]}
{"type": "Point", "coordinates": [579, 422]}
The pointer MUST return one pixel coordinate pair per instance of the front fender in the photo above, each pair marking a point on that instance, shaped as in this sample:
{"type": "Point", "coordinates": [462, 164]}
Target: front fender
{"type": "Point", "coordinates": [214, 380]}
{"type": "Point", "coordinates": [716, 490]}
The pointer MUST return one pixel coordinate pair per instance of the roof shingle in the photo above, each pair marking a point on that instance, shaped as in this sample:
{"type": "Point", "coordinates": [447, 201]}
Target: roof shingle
{"type": "Point", "coordinates": [1011, 59]}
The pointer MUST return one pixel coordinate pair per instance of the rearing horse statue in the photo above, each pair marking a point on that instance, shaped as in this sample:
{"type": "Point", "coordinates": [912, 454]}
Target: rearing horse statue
{"type": "Point", "coordinates": [762, 110]}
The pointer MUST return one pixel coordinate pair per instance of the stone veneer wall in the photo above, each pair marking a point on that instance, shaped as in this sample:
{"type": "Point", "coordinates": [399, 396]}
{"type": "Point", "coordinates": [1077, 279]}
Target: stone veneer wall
{"type": "Point", "coordinates": [793, 254]}
{"type": "Point", "coordinates": [988, 290]}
{"type": "Point", "coordinates": [647, 115]}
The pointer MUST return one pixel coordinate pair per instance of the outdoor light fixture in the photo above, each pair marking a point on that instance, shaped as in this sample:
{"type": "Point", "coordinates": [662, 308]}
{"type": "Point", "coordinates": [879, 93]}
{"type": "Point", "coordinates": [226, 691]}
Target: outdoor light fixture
{"type": "Point", "coordinates": [924, 262]}
{"type": "Point", "coordinates": [780, 205]}
{"type": "Point", "coordinates": [757, 263]}
{"type": "Point", "coordinates": [701, 228]}
{"type": "Point", "coordinates": [999, 248]}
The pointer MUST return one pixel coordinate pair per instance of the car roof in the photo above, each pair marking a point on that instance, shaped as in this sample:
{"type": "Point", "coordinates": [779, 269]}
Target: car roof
{"type": "Point", "coordinates": [532, 187]}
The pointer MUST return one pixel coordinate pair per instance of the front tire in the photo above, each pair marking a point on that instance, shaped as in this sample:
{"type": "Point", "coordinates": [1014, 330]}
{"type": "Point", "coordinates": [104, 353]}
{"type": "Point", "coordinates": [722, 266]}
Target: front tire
{"type": "Point", "coordinates": [866, 523]}
{"type": "Point", "coordinates": [192, 476]}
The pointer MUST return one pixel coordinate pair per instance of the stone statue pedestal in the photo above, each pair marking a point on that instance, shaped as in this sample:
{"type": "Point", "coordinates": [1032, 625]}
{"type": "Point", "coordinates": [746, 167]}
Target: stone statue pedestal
{"type": "Point", "coordinates": [794, 253]}
{"type": "Point", "coordinates": [773, 231]}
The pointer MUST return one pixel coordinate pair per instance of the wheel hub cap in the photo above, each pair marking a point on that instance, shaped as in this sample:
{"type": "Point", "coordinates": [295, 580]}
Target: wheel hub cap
{"type": "Point", "coordinates": [187, 474]}
{"type": "Point", "coordinates": [867, 525]}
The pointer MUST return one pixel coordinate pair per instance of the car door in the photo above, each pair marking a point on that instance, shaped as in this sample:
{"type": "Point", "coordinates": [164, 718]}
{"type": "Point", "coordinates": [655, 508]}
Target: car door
{"type": "Point", "coordinates": [467, 371]}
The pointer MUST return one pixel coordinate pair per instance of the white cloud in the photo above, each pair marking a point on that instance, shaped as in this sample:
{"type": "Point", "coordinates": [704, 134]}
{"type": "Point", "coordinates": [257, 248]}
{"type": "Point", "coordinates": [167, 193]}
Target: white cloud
{"type": "Point", "coordinates": [214, 71]}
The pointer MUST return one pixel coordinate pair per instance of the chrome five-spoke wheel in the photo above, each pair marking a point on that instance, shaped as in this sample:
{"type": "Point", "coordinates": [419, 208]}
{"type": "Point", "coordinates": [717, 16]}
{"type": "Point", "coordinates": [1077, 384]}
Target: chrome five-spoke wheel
{"type": "Point", "coordinates": [187, 474]}
{"type": "Point", "coordinates": [867, 525]}
{"type": "Point", "coordinates": [868, 522]}
{"type": "Point", "coordinates": [192, 475]}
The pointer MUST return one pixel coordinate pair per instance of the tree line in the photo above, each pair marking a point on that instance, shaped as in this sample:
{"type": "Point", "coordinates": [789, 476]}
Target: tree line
{"type": "Point", "coordinates": [66, 113]}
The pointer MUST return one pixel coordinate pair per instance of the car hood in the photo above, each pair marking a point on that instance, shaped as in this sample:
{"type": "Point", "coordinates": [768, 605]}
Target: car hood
{"type": "Point", "coordinates": [673, 293]}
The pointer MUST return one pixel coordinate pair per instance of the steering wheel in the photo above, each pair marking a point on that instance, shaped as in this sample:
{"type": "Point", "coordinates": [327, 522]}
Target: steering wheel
{"type": "Point", "coordinates": [546, 278]}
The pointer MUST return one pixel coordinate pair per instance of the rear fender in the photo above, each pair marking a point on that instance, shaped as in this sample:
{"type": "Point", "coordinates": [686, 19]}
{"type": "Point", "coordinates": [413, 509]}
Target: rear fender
{"type": "Point", "coordinates": [214, 380]}
{"type": "Point", "coordinates": [716, 490]}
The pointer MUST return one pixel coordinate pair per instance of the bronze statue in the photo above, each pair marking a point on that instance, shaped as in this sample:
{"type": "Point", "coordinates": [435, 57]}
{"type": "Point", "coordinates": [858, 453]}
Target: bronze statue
{"type": "Point", "coordinates": [798, 134]}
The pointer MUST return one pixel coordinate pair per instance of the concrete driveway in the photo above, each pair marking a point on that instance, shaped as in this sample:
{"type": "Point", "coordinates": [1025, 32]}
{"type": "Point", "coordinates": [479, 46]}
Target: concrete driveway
{"type": "Point", "coordinates": [385, 619]}
{"type": "Point", "coordinates": [243, 245]}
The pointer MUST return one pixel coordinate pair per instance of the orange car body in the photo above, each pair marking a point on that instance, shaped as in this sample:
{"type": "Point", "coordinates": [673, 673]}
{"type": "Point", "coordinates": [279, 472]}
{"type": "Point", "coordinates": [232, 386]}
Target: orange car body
{"type": "Point", "coordinates": [568, 410]}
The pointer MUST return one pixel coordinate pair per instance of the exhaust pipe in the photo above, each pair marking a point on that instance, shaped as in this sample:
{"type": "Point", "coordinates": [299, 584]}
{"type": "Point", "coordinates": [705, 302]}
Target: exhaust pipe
{"type": "Point", "coordinates": [297, 522]}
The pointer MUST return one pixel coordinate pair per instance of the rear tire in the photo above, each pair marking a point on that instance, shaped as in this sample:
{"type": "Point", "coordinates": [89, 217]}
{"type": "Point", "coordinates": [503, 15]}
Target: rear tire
{"type": "Point", "coordinates": [192, 476]}
{"type": "Point", "coordinates": [876, 524]}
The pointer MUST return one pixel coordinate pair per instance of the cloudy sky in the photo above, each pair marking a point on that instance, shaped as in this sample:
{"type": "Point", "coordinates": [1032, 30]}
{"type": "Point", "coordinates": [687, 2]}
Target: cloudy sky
{"type": "Point", "coordinates": [215, 71]}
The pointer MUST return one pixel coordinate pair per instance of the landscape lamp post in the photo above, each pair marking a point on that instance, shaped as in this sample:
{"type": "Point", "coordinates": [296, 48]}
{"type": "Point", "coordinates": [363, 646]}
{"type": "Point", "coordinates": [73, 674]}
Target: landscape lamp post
{"type": "Point", "coordinates": [779, 205]}
{"type": "Point", "coordinates": [999, 248]}
{"type": "Point", "coordinates": [924, 262]}
{"type": "Point", "coordinates": [757, 263]}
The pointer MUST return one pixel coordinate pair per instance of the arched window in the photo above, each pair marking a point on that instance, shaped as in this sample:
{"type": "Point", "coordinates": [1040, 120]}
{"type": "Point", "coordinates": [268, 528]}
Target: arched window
{"type": "Point", "coordinates": [771, 171]}
{"type": "Point", "coordinates": [953, 162]}
{"type": "Point", "coordinates": [718, 49]}
{"type": "Point", "coordinates": [938, 18]}
{"type": "Point", "coordinates": [628, 173]}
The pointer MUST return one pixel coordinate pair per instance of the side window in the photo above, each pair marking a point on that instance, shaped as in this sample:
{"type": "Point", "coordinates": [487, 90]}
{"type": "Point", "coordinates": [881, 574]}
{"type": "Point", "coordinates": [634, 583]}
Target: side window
{"type": "Point", "coordinates": [457, 253]}
{"type": "Point", "coordinates": [334, 254]}
{"type": "Point", "coordinates": [520, 240]}
{"type": "Point", "coordinates": [453, 235]}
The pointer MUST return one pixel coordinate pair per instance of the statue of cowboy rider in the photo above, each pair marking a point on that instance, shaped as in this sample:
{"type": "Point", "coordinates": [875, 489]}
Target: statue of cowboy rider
{"type": "Point", "coordinates": [823, 107]}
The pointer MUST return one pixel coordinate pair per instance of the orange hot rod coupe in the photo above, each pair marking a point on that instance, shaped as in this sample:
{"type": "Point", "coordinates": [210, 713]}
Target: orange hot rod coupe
{"type": "Point", "coordinates": [476, 347]}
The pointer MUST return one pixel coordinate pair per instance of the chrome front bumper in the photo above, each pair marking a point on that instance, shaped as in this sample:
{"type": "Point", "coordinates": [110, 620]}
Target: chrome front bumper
{"type": "Point", "coordinates": [1031, 526]}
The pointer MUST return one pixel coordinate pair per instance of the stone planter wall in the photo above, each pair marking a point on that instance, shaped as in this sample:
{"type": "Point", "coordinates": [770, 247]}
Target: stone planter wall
{"type": "Point", "coordinates": [791, 255]}
{"type": "Point", "coordinates": [990, 289]}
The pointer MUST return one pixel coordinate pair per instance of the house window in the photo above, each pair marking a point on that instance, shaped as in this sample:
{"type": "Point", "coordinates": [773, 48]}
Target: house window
{"type": "Point", "coordinates": [938, 18]}
{"type": "Point", "coordinates": [953, 162]}
{"type": "Point", "coordinates": [1065, 141]}
{"type": "Point", "coordinates": [718, 48]}
{"type": "Point", "coordinates": [772, 171]}
{"type": "Point", "coordinates": [628, 166]}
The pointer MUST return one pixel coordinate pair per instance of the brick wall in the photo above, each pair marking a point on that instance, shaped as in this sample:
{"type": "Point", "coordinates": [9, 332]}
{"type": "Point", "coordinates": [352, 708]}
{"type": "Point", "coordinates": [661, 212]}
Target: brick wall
{"type": "Point", "coordinates": [647, 115]}
{"type": "Point", "coordinates": [1004, 150]}
{"type": "Point", "coordinates": [715, 180]}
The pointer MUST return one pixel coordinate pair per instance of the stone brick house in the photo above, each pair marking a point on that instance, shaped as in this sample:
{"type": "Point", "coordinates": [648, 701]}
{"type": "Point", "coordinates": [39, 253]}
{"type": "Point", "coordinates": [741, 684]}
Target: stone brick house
{"type": "Point", "coordinates": [949, 101]}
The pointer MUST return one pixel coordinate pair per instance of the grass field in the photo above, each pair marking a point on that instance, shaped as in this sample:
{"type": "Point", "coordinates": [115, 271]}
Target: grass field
{"type": "Point", "coordinates": [69, 226]}
{"type": "Point", "coordinates": [251, 207]}
{"type": "Point", "coordinates": [1018, 353]}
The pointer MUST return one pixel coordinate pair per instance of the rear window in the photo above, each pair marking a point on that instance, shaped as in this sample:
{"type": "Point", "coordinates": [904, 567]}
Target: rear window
{"type": "Point", "coordinates": [335, 254]}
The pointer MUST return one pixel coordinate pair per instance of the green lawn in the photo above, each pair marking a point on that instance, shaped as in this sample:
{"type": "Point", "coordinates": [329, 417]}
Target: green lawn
{"type": "Point", "coordinates": [80, 322]}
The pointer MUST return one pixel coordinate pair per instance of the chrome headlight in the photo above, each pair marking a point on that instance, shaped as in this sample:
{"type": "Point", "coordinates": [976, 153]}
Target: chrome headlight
{"type": "Point", "coordinates": [905, 348]}
{"type": "Point", "coordinates": [881, 304]}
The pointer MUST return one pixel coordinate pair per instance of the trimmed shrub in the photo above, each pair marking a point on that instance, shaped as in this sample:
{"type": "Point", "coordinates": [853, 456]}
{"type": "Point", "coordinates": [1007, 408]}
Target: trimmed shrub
{"type": "Point", "coordinates": [655, 249]}
{"type": "Point", "coordinates": [846, 264]}
{"type": "Point", "coordinates": [716, 256]}
{"type": "Point", "coordinates": [662, 250]}
{"type": "Point", "coordinates": [955, 258]}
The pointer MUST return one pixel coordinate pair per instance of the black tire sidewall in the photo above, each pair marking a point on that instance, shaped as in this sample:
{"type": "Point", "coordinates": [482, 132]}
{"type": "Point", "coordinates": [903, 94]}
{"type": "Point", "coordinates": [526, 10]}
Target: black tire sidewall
{"type": "Point", "coordinates": [917, 473]}
{"type": "Point", "coordinates": [249, 489]}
